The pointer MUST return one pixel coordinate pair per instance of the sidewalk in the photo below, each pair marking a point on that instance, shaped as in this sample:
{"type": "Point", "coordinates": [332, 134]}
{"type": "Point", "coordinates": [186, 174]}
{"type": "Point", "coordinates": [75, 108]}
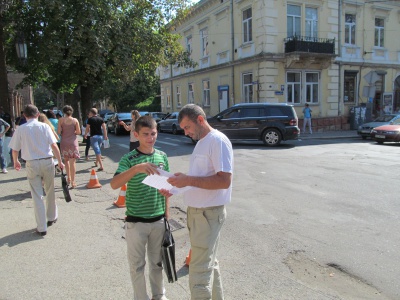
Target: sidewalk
{"type": "Point", "coordinates": [341, 134]}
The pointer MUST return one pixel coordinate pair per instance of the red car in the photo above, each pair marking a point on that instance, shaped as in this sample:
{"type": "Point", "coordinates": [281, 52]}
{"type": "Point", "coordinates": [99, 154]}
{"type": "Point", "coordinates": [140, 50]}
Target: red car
{"type": "Point", "coordinates": [387, 133]}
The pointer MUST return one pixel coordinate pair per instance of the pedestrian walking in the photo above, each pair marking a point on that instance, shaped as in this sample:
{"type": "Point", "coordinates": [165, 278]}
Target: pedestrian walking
{"type": "Point", "coordinates": [38, 145]}
{"type": "Point", "coordinates": [42, 118]}
{"type": "Point", "coordinates": [87, 139]}
{"type": "Point", "coordinates": [98, 133]}
{"type": "Point", "coordinates": [146, 209]}
{"type": "Point", "coordinates": [4, 127]}
{"type": "Point", "coordinates": [54, 121]}
{"type": "Point", "coordinates": [210, 175]}
{"type": "Point", "coordinates": [68, 128]}
{"type": "Point", "coordinates": [307, 118]}
{"type": "Point", "coordinates": [134, 142]}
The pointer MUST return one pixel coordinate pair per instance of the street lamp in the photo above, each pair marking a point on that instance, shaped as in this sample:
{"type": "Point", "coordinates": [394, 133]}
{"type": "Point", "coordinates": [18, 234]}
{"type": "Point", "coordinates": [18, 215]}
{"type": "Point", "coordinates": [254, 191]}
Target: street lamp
{"type": "Point", "coordinates": [21, 48]}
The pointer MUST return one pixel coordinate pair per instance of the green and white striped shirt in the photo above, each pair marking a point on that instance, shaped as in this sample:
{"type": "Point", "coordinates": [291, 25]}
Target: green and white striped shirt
{"type": "Point", "coordinates": [142, 200]}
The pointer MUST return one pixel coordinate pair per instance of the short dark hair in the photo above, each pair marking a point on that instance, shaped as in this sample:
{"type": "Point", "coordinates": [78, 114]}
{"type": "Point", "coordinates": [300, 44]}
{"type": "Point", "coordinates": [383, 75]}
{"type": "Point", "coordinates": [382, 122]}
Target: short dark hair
{"type": "Point", "coordinates": [145, 121]}
{"type": "Point", "coordinates": [68, 110]}
{"type": "Point", "coordinates": [50, 114]}
{"type": "Point", "coordinates": [93, 111]}
{"type": "Point", "coordinates": [192, 111]}
{"type": "Point", "coordinates": [31, 111]}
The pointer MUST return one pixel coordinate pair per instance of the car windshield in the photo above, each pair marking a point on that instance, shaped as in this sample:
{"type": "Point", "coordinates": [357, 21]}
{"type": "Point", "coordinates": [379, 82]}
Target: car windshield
{"type": "Point", "coordinates": [386, 118]}
{"type": "Point", "coordinates": [124, 116]}
{"type": "Point", "coordinates": [396, 122]}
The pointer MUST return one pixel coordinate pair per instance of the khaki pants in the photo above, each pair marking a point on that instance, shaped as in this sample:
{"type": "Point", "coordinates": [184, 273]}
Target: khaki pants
{"type": "Point", "coordinates": [38, 171]}
{"type": "Point", "coordinates": [204, 226]}
{"type": "Point", "coordinates": [138, 235]}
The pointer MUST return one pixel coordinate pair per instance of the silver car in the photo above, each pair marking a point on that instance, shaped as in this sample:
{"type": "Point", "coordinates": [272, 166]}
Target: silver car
{"type": "Point", "coordinates": [365, 129]}
{"type": "Point", "coordinates": [170, 124]}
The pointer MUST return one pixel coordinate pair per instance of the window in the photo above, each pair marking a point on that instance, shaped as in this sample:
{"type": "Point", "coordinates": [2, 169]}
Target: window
{"type": "Point", "coordinates": [178, 96]}
{"type": "Point", "coordinates": [168, 96]}
{"type": "Point", "coordinates": [206, 93]}
{"type": "Point", "coordinates": [379, 32]}
{"type": "Point", "coordinates": [204, 42]}
{"type": "Point", "coordinates": [293, 20]}
{"type": "Point", "coordinates": [248, 87]}
{"type": "Point", "coordinates": [247, 26]}
{"type": "Point", "coordinates": [312, 87]}
{"type": "Point", "coordinates": [350, 84]}
{"type": "Point", "coordinates": [293, 82]}
{"type": "Point", "coordinates": [189, 45]}
{"type": "Point", "coordinates": [190, 93]}
{"type": "Point", "coordinates": [311, 22]}
{"type": "Point", "coordinates": [302, 87]}
{"type": "Point", "coordinates": [350, 29]}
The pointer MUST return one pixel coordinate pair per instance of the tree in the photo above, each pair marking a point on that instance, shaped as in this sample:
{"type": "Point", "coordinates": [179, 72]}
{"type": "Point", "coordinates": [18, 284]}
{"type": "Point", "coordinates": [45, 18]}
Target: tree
{"type": "Point", "coordinates": [75, 44]}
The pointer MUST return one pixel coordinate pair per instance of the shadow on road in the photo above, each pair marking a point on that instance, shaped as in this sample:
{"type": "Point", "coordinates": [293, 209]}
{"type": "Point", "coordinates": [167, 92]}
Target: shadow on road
{"type": "Point", "coordinates": [19, 238]}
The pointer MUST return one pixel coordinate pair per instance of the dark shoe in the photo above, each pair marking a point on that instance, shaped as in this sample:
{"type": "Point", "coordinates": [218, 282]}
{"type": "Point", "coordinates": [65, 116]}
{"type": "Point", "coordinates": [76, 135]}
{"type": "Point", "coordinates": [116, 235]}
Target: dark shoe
{"type": "Point", "coordinates": [41, 233]}
{"type": "Point", "coordinates": [49, 223]}
{"type": "Point", "coordinates": [100, 169]}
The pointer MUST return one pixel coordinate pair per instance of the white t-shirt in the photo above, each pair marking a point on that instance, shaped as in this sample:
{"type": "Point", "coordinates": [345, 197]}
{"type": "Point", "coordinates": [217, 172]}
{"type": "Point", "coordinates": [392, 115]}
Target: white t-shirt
{"type": "Point", "coordinates": [212, 154]}
{"type": "Point", "coordinates": [34, 139]}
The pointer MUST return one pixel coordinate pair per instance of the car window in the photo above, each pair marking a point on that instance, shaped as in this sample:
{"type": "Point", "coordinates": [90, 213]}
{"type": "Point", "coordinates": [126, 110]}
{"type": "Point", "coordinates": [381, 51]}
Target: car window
{"type": "Point", "coordinates": [277, 111]}
{"type": "Point", "coordinates": [234, 113]}
{"type": "Point", "coordinates": [396, 122]}
{"type": "Point", "coordinates": [385, 118]}
{"type": "Point", "coordinates": [252, 112]}
{"type": "Point", "coordinates": [124, 116]}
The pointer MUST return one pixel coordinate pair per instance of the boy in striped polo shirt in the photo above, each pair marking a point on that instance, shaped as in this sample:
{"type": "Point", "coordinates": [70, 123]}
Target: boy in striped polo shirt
{"type": "Point", "coordinates": [145, 209]}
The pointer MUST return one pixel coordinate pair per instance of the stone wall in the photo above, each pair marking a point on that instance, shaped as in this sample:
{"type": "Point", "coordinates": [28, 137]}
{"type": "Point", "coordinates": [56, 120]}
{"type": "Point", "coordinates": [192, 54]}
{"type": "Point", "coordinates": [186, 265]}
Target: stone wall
{"type": "Point", "coordinates": [328, 124]}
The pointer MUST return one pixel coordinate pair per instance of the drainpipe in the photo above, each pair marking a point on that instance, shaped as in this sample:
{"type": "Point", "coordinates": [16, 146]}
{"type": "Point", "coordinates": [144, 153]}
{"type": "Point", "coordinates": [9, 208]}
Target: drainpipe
{"type": "Point", "coordinates": [233, 54]}
{"type": "Point", "coordinates": [340, 56]}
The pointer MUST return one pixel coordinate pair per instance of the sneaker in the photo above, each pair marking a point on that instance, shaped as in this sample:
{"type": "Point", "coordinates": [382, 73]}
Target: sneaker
{"type": "Point", "coordinates": [5, 170]}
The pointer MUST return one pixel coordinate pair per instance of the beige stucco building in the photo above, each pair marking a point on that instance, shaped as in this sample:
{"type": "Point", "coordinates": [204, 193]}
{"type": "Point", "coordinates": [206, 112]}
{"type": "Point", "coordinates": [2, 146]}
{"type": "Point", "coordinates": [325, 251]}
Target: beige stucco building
{"type": "Point", "coordinates": [333, 55]}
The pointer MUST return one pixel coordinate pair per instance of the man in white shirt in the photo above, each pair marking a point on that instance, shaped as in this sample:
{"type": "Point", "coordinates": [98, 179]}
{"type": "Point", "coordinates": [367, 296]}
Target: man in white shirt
{"type": "Point", "coordinates": [210, 175]}
{"type": "Point", "coordinates": [37, 144]}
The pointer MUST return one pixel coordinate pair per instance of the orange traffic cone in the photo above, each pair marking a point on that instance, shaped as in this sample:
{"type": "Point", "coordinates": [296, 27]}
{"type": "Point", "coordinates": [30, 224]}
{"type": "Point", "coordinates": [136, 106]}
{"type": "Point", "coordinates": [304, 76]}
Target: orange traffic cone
{"type": "Point", "coordinates": [121, 198]}
{"type": "Point", "coordinates": [187, 260]}
{"type": "Point", "coordinates": [94, 181]}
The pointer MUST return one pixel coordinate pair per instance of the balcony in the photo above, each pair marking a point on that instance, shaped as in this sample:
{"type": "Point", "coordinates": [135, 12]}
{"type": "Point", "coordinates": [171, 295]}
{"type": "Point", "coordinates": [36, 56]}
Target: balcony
{"type": "Point", "coordinates": [309, 45]}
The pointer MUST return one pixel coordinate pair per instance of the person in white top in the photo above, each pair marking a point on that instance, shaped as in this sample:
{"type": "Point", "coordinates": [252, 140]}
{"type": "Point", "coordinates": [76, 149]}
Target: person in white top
{"type": "Point", "coordinates": [37, 144]}
{"type": "Point", "coordinates": [210, 173]}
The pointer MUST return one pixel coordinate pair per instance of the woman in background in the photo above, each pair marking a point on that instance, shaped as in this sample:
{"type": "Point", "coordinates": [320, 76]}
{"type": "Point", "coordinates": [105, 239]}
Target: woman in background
{"type": "Point", "coordinates": [68, 128]}
{"type": "Point", "coordinates": [53, 120]}
{"type": "Point", "coordinates": [42, 118]}
{"type": "Point", "coordinates": [134, 143]}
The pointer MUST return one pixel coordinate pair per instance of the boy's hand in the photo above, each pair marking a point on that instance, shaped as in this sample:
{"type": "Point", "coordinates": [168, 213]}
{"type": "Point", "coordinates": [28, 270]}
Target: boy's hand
{"type": "Point", "coordinates": [147, 168]}
{"type": "Point", "coordinates": [165, 193]}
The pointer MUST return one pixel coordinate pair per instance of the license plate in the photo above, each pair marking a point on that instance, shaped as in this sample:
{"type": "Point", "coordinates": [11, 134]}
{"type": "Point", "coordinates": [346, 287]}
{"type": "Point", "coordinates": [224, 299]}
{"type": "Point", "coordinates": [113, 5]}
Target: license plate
{"type": "Point", "coordinates": [378, 136]}
{"type": "Point", "coordinates": [365, 131]}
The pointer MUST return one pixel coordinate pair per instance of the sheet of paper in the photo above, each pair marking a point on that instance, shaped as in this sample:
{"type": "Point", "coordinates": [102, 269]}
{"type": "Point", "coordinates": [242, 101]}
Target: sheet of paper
{"type": "Point", "coordinates": [160, 182]}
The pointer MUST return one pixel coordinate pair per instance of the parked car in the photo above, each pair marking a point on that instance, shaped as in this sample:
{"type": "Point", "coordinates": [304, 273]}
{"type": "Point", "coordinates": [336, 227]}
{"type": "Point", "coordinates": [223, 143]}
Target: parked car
{"type": "Point", "coordinates": [170, 124]}
{"type": "Point", "coordinates": [364, 130]}
{"type": "Point", "coordinates": [143, 113]}
{"type": "Point", "coordinates": [268, 122]}
{"type": "Point", "coordinates": [107, 116]}
{"type": "Point", "coordinates": [113, 123]}
{"type": "Point", "coordinates": [158, 116]}
{"type": "Point", "coordinates": [387, 133]}
{"type": "Point", "coordinates": [103, 112]}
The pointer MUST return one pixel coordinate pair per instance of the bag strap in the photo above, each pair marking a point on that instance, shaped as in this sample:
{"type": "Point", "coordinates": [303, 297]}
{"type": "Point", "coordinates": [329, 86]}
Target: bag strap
{"type": "Point", "coordinates": [166, 224]}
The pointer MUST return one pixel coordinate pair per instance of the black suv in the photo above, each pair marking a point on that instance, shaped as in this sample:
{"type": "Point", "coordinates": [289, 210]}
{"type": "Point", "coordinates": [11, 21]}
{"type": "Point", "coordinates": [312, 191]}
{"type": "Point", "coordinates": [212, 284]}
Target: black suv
{"type": "Point", "coordinates": [268, 122]}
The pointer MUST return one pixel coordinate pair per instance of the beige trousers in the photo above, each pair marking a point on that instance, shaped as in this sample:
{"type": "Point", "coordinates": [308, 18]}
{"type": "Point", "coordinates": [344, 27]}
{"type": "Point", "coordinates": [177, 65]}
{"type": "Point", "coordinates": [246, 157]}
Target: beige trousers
{"type": "Point", "coordinates": [138, 236]}
{"type": "Point", "coordinates": [204, 226]}
{"type": "Point", "coordinates": [40, 174]}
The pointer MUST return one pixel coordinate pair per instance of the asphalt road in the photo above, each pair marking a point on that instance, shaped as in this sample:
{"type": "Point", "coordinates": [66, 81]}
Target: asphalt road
{"type": "Point", "coordinates": [311, 219]}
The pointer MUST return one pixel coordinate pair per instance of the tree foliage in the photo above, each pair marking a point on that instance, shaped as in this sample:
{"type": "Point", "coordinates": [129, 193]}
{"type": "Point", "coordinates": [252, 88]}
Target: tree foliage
{"type": "Point", "coordinates": [87, 44]}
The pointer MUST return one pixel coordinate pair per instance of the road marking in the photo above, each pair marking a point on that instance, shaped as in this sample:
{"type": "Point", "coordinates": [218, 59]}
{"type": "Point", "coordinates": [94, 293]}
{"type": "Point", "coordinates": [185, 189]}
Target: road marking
{"type": "Point", "coordinates": [166, 143]}
{"type": "Point", "coordinates": [123, 146]}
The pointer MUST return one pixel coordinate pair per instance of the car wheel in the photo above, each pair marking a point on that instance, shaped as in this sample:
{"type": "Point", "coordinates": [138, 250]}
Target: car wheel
{"type": "Point", "coordinates": [364, 137]}
{"type": "Point", "coordinates": [380, 143]}
{"type": "Point", "coordinates": [174, 130]}
{"type": "Point", "coordinates": [271, 137]}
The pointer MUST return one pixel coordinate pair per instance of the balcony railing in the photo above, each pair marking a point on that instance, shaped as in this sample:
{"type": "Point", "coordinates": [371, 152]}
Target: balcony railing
{"type": "Point", "coordinates": [309, 44]}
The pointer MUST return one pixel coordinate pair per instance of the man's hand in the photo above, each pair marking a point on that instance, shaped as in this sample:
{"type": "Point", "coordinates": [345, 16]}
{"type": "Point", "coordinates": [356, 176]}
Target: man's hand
{"type": "Point", "coordinates": [17, 165]}
{"type": "Point", "coordinates": [179, 180]}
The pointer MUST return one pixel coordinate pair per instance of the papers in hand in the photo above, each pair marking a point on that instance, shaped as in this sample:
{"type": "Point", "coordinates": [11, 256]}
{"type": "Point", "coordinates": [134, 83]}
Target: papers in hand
{"type": "Point", "coordinates": [160, 182]}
